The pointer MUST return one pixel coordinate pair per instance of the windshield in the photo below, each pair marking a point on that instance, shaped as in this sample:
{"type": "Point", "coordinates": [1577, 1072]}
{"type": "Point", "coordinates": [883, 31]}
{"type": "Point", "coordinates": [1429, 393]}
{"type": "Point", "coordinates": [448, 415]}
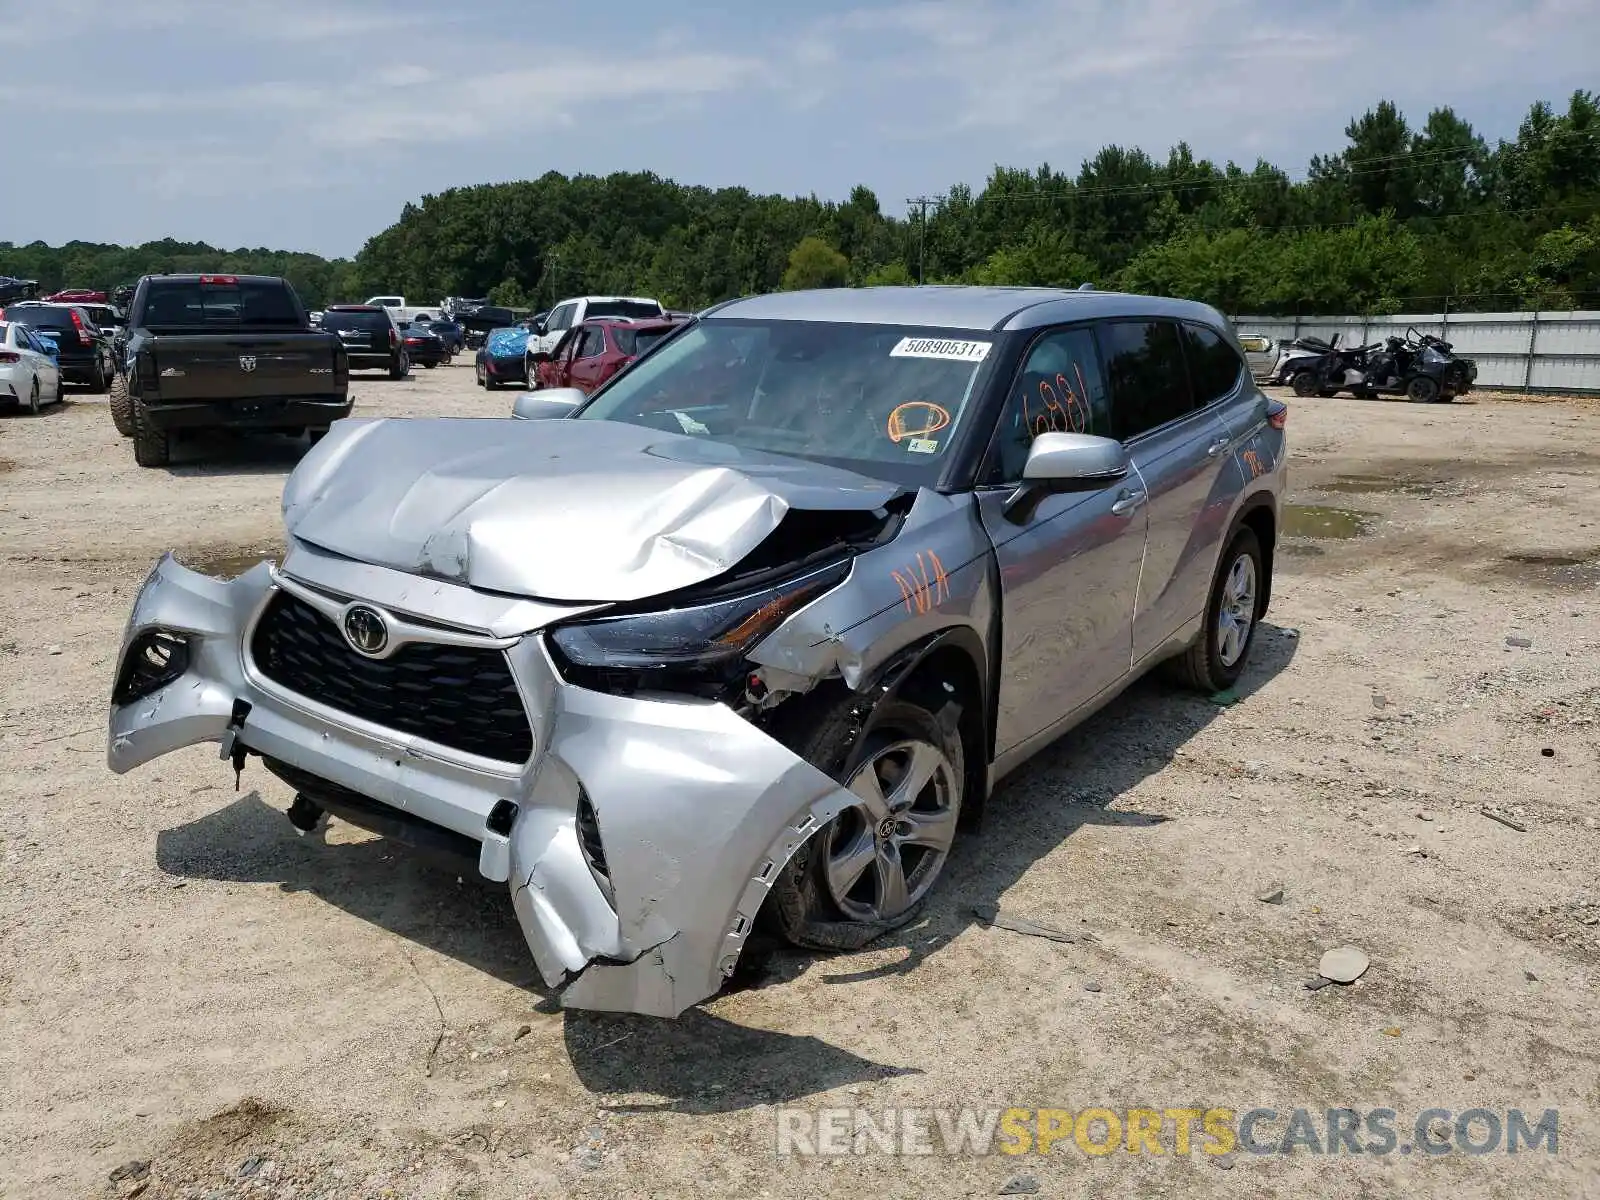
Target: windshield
{"type": "Point", "coordinates": [632, 309]}
{"type": "Point", "coordinates": [886, 400]}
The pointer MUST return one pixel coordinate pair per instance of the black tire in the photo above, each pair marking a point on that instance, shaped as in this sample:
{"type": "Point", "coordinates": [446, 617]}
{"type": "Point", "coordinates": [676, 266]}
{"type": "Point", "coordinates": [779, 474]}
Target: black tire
{"type": "Point", "coordinates": [121, 405]}
{"type": "Point", "coordinates": [1201, 666]}
{"type": "Point", "coordinates": [1423, 389]}
{"type": "Point", "coordinates": [33, 398]}
{"type": "Point", "coordinates": [152, 447]}
{"type": "Point", "coordinates": [477, 374]}
{"type": "Point", "coordinates": [399, 368]}
{"type": "Point", "coordinates": [799, 907]}
{"type": "Point", "coordinates": [1304, 384]}
{"type": "Point", "coordinates": [430, 365]}
{"type": "Point", "coordinates": [97, 382]}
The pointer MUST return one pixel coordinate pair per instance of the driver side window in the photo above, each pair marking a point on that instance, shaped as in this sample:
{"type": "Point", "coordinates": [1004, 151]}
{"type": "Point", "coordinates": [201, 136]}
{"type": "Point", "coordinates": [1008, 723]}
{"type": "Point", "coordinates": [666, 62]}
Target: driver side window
{"type": "Point", "coordinates": [594, 343]}
{"type": "Point", "coordinates": [1060, 389]}
{"type": "Point", "coordinates": [561, 318]}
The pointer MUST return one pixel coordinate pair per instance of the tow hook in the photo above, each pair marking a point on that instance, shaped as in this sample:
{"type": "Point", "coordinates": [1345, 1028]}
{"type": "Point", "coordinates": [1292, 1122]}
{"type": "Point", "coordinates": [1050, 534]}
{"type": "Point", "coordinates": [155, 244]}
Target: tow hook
{"type": "Point", "coordinates": [304, 813]}
{"type": "Point", "coordinates": [232, 747]}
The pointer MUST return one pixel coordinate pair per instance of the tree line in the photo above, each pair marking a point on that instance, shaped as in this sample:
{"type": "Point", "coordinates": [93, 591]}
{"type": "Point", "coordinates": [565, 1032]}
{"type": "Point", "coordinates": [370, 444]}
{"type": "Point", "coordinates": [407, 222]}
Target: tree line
{"type": "Point", "coordinates": [1401, 217]}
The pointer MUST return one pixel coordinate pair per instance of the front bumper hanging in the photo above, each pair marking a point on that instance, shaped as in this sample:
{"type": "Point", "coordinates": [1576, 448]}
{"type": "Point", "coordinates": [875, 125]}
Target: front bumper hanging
{"type": "Point", "coordinates": [637, 840]}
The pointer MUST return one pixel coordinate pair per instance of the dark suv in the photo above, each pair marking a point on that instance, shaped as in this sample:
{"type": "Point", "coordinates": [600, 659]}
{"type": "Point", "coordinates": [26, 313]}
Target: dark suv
{"type": "Point", "coordinates": [370, 338]}
{"type": "Point", "coordinates": [85, 351]}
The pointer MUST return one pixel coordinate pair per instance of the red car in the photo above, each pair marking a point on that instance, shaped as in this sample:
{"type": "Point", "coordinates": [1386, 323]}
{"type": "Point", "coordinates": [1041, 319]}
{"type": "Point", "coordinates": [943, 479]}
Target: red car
{"type": "Point", "coordinates": [594, 351]}
{"type": "Point", "coordinates": [76, 296]}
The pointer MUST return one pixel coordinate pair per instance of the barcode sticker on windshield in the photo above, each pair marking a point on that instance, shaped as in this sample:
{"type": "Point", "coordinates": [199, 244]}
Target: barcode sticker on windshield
{"type": "Point", "coordinates": [915, 347]}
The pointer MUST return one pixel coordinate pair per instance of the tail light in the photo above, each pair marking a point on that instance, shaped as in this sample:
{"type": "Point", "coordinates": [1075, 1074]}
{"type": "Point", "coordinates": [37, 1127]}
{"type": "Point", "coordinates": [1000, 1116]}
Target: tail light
{"type": "Point", "coordinates": [413, 341]}
{"type": "Point", "coordinates": [1277, 414]}
{"type": "Point", "coordinates": [394, 337]}
{"type": "Point", "coordinates": [219, 280]}
{"type": "Point", "coordinates": [7, 356]}
{"type": "Point", "coordinates": [83, 334]}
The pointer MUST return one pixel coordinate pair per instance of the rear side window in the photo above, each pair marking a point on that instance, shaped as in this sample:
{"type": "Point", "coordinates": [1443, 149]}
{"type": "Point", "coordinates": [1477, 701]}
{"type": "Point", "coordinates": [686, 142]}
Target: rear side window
{"type": "Point", "coordinates": [1213, 366]}
{"type": "Point", "coordinates": [187, 304]}
{"type": "Point", "coordinates": [1146, 370]}
{"type": "Point", "coordinates": [1060, 390]}
{"type": "Point", "coordinates": [636, 342]}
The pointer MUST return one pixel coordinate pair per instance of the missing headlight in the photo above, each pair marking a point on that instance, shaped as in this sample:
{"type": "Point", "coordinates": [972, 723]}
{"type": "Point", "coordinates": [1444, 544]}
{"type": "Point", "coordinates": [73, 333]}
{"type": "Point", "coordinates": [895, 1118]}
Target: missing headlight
{"type": "Point", "coordinates": [155, 658]}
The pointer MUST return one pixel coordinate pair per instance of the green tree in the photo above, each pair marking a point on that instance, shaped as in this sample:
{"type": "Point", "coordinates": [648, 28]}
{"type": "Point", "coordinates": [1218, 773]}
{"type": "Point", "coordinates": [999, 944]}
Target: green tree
{"type": "Point", "coordinates": [815, 264]}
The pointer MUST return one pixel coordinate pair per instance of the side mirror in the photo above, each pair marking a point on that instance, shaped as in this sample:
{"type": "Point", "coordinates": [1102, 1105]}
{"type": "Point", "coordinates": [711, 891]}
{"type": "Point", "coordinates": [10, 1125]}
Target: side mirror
{"type": "Point", "coordinates": [1065, 462]}
{"type": "Point", "coordinates": [539, 356]}
{"type": "Point", "coordinates": [548, 404]}
{"type": "Point", "coordinates": [539, 328]}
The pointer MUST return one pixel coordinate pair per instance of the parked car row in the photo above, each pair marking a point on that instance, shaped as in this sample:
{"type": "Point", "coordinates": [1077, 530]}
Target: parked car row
{"type": "Point", "coordinates": [85, 353]}
{"type": "Point", "coordinates": [30, 371]}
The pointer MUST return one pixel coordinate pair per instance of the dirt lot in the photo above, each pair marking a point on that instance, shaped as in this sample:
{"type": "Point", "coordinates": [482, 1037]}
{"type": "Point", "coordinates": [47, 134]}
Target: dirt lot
{"type": "Point", "coordinates": [187, 984]}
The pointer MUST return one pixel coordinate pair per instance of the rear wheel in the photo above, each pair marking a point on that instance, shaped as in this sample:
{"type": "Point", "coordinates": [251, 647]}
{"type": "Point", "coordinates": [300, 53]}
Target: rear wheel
{"type": "Point", "coordinates": [97, 383]}
{"type": "Point", "coordinates": [121, 405]}
{"type": "Point", "coordinates": [152, 447]}
{"type": "Point", "coordinates": [477, 373]}
{"type": "Point", "coordinates": [1304, 384]}
{"type": "Point", "coordinates": [33, 398]}
{"type": "Point", "coordinates": [1422, 390]}
{"type": "Point", "coordinates": [1217, 658]}
{"type": "Point", "coordinates": [871, 869]}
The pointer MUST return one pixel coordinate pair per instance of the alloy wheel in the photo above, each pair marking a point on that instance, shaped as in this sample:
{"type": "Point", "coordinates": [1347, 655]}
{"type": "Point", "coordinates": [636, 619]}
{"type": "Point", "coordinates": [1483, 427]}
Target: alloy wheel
{"type": "Point", "coordinates": [1237, 613]}
{"type": "Point", "coordinates": [885, 854]}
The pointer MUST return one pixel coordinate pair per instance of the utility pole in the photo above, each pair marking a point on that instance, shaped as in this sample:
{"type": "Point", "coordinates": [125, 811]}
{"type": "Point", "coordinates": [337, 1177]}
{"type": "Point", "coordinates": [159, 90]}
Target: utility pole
{"type": "Point", "coordinates": [922, 203]}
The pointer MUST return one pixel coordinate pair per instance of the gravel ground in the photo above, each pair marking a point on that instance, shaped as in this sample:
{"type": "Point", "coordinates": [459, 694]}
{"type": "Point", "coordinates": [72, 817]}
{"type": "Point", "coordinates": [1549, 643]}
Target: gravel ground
{"type": "Point", "coordinates": [197, 1002]}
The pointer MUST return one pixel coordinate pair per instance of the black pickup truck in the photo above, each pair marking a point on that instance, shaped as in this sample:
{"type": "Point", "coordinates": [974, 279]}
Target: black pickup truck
{"type": "Point", "coordinates": [223, 352]}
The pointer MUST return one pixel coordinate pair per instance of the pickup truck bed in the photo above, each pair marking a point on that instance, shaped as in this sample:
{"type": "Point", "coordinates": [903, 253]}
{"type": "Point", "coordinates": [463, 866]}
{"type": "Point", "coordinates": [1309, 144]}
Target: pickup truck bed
{"type": "Point", "coordinates": [219, 369]}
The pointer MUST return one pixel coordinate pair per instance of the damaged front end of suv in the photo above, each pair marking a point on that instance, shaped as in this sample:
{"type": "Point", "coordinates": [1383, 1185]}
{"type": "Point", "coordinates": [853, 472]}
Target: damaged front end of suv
{"type": "Point", "coordinates": [575, 654]}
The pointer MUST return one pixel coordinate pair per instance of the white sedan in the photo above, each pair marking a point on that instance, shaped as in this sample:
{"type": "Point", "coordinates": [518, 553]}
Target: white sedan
{"type": "Point", "coordinates": [29, 376]}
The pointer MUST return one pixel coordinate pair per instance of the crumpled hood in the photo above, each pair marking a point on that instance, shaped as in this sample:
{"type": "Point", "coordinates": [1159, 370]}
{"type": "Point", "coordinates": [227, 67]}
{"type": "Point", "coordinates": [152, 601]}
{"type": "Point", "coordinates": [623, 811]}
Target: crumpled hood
{"type": "Point", "coordinates": [559, 510]}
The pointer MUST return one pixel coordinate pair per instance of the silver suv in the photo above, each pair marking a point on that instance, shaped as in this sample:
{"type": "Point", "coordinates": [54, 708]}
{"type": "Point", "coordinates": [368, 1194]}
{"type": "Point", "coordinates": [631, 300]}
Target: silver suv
{"type": "Point", "coordinates": [749, 634]}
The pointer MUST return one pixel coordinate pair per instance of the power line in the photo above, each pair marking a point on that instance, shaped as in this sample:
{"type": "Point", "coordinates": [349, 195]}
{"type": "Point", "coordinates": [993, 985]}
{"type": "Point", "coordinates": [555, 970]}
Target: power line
{"type": "Point", "coordinates": [922, 203]}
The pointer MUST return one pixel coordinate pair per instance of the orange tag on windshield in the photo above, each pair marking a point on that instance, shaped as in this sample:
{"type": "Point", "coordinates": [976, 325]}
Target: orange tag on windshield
{"type": "Point", "coordinates": [916, 419]}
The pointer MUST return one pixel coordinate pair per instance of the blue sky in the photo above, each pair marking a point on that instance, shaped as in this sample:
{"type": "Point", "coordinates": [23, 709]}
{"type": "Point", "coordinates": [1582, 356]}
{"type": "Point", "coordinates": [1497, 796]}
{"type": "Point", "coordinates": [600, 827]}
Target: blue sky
{"type": "Point", "coordinates": [307, 124]}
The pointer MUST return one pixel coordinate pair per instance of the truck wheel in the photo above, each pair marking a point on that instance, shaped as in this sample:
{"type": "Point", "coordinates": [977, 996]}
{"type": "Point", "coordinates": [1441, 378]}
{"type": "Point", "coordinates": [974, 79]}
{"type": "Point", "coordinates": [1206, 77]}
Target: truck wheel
{"type": "Point", "coordinates": [152, 447]}
{"type": "Point", "coordinates": [121, 405]}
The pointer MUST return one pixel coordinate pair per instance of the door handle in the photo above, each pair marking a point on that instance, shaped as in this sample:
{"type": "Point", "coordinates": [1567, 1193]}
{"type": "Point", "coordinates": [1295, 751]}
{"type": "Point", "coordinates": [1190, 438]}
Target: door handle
{"type": "Point", "coordinates": [1217, 447]}
{"type": "Point", "coordinates": [1127, 502]}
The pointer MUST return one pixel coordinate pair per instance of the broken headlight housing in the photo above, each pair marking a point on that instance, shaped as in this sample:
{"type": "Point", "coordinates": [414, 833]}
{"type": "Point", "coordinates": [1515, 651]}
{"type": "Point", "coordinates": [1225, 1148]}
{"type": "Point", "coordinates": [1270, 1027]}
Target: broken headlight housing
{"type": "Point", "coordinates": [694, 647]}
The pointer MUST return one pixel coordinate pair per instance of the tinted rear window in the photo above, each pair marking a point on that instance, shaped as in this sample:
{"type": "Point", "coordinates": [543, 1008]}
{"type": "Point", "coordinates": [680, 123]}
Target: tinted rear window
{"type": "Point", "coordinates": [42, 318]}
{"type": "Point", "coordinates": [185, 304]}
{"type": "Point", "coordinates": [367, 321]}
{"type": "Point", "coordinates": [1213, 366]}
{"type": "Point", "coordinates": [632, 341]}
{"type": "Point", "coordinates": [621, 308]}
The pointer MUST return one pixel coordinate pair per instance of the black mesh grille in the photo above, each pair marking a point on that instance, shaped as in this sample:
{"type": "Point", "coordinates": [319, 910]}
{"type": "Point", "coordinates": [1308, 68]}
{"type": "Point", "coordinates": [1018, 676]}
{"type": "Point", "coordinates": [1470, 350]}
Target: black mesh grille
{"type": "Point", "coordinates": [457, 696]}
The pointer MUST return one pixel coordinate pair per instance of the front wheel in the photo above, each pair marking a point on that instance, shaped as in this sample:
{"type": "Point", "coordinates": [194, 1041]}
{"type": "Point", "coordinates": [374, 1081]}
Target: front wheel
{"type": "Point", "coordinates": [1422, 390]}
{"type": "Point", "coordinates": [1218, 656]}
{"type": "Point", "coordinates": [1305, 384]}
{"type": "Point", "coordinates": [872, 868]}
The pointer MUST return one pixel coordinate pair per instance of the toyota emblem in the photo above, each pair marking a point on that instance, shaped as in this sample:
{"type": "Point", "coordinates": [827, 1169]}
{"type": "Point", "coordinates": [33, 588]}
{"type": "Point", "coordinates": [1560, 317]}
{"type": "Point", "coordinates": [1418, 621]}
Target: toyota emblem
{"type": "Point", "coordinates": [247, 362]}
{"type": "Point", "coordinates": [364, 629]}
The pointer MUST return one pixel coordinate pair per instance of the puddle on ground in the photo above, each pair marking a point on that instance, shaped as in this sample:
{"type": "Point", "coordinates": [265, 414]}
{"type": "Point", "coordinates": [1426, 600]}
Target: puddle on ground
{"type": "Point", "coordinates": [1321, 522]}
{"type": "Point", "coordinates": [1362, 485]}
{"type": "Point", "coordinates": [1555, 569]}
{"type": "Point", "coordinates": [1303, 549]}
{"type": "Point", "coordinates": [7, 465]}
{"type": "Point", "coordinates": [226, 562]}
